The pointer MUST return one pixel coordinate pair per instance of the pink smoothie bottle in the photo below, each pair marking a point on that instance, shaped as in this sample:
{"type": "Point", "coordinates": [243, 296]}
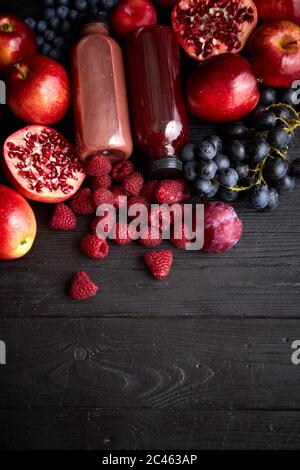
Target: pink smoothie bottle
{"type": "Point", "coordinates": [99, 93]}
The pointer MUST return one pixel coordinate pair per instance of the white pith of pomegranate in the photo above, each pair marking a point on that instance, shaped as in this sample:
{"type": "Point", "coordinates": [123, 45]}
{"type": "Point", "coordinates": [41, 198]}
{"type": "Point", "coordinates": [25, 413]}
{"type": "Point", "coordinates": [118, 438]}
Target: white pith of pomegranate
{"type": "Point", "coordinates": [42, 165]}
{"type": "Point", "coordinates": [205, 28]}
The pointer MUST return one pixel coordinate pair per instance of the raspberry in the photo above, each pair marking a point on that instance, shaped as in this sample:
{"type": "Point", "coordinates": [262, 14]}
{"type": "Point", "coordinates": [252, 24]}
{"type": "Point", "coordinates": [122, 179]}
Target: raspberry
{"type": "Point", "coordinates": [160, 217]}
{"type": "Point", "coordinates": [63, 218]}
{"type": "Point", "coordinates": [133, 183]}
{"type": "Point", "coordinates": [82, 287]}
{"type": "Point", "coordinates": [150, 237]}
{"type": "Point", "coordinates": [222, 227]}
{"type": "Point", "coordinates": [102, 196]}
{"type": "Point", "coordinates": [94, 247]}
{"type": "Point", "coordinates": [121, 170]}
{"type": "Point", "coordinates": [97, 228]}
{"type": "Point", "coordinates": [148, 190]}
{"type": "Point", "coordinates": [97, 165]}
{"type": "Point", "coordinates": [117, 191]}
{"type": "Point", "coordinates": [122, 234]}
{"type": "Point", "coordinates": [180, 236]}
{"type": "Point", "coordinates": [159, 263]}
{"type": "Point", "coordinates": [169, 191]}
{"type": "Point", "coordinates": [103, 181]}
{"type": "Point", "coordinates": [81, 203]}
{"type": "Point", "coordinates": [138, 200]}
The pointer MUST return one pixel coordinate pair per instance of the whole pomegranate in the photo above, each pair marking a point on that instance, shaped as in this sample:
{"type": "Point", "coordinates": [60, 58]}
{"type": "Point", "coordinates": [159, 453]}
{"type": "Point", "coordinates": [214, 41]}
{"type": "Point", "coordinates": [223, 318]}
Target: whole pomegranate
{"type": "Point", "coordinates": [129, 15]}
{"type": "Point", "coordinates": [222, 227]}
{"type": "Point", "coordinates": [42, 165]}
{"type": "Point", "coordinates": [222, 89]}
{"type": "Point", "coordinates": [211, 27]}
{"type": "Point", "coordinates": [18, 224]}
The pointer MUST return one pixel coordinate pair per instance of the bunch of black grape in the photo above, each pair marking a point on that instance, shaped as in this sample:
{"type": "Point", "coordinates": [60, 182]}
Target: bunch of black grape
{"type": "Point", "coordinates": [248, 157]}
{"type": "Point", "coordinates": [55, 30]}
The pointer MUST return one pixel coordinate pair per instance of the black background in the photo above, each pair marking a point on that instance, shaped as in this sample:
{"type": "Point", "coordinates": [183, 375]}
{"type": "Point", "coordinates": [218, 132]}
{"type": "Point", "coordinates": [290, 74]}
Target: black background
{"type": "Point", "coordinates": [199, 361]}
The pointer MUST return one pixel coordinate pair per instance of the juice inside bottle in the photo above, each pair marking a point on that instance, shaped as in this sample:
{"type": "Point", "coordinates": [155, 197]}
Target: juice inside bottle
{"type": "Point", "coordinates": [99, 93]}
{"type": "Point", "coordinates": [160, 124]}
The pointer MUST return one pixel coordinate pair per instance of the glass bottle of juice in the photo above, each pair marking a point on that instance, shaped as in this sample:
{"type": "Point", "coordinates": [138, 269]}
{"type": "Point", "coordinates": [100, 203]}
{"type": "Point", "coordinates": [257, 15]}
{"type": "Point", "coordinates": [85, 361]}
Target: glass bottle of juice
{"type": "Point", "coordinates": [160, 124]}
{"type": "Point", "coordinates": [99, 93]}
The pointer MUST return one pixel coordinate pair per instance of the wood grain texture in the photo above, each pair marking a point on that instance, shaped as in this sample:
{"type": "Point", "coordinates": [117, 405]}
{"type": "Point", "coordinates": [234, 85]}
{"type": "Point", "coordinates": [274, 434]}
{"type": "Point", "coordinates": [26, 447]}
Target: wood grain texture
{"type": "Point", "coordinates": [199, 361]}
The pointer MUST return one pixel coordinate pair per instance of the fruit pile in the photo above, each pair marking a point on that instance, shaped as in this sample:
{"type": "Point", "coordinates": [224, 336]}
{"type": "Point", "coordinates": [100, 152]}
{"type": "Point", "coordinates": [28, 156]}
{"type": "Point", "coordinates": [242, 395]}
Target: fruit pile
{"type": "Point", "coordinates": [249, 156]}
{"type": "Point", "coordinates": [251, 98]}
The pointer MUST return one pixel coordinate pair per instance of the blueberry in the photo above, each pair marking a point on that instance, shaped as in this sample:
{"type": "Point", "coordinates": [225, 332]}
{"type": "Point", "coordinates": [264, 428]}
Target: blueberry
{"type": "Point", "coordinates": [214, 189]}
{"type": "Point", "coordinates": [206, 149]}
{"type": "Point", "coordinates": [283, 112]}
{"type": "Point", "coordinates": [289, 96]}
{"type": "Point", "coordinates": [42, 26]}
{"type": "Point", "coordinates": [72, 15]}
{"type": "Point", "coordinates": [235, 130]}
{"type": "Point", "coordinates": [45, 49]}
{"type": "Point", "coordinates": [58, 42]}
{"type": "Point", "coordinates": [268, 96]}
{"type": "Point", "coordinates": [55, 54]}
{"type": "Point", "coordinates": [266, 119]}
{"type": "Point", "coordinates": [62, 12]}
{"type": "Point", "coordinates": [188, 153]}
{"type": "Point", "coordinates": [274, 199]}
{"type": "Point", "coordinates": [40, 40]}
{"type": "Point", "coordinates": [54, 23]}
{"type": "Point", "coordinates": [221, 161]}
{"type": "Point", "coordinates": [259, 197]}
{"type": "Point", "coordinates": [296, 167]}
{"type": "Point", "coordinates": [258, 149]}
{"type": "Point", "coordinates": [216, 141]}
{"type": "Point", "coordinates": [202, 188]}
{"type": "Point", "coordinates": [49, 35]}
{"type": "Point", "coordinates": [228, 177]}
{"type": "Point", "coordinates": [65, 26]}
{"type": "Point", "coordinates": [63, 2]}
{"type": "Point", "coordinates": [242, 170]}
{"type": "Point", "coordinates": [236, 150]}
{"type": "Point", "coordinates": [31, 22]}
{"type": "Point", "coordinates": [207, 169]}
{"type": "Point", "coordinates": [80, 5]}
{"type": "Point", "coordinates": [48, 3]}
{"type": "Point", "coordinates": [189, 170]}
{"type": "Point", "coordinates": [108, 4]}
{"type": "Point", "coordinates": [49, 13]}
{"type": "Point", "coordinates": [276, 168]}
{"type": "Point", "coordinates": [227, 195]}
{"type": "Point", "coordinates": [279, 138]}
{"type": "Point", "coordinates": [285, 184]}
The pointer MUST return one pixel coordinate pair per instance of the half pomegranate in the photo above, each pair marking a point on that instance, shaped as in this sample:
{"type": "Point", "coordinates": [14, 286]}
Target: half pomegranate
{"type": "Point", "coordinates": [42, 165]}
{"type": "Point", "coordinates": [205, 28]}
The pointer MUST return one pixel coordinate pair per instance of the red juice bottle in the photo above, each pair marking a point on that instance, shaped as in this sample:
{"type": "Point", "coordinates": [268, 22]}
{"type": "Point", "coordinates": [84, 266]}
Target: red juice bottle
{"type": "Point", "coordinates": [159, 117]}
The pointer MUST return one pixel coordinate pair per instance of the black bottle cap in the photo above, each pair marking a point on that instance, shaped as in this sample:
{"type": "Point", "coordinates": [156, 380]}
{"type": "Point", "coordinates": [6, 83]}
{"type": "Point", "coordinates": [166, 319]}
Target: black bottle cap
{"type": "Point", "coordinates": [90, 18]}
{"type": "Point", "coordinates": [165, 167]}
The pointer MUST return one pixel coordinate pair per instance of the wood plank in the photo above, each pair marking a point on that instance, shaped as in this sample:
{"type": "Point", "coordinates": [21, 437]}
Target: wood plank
{"type": "Point", "coordinates": [149, 430]}
{"type": "Point", "coordinates": [180, 363]}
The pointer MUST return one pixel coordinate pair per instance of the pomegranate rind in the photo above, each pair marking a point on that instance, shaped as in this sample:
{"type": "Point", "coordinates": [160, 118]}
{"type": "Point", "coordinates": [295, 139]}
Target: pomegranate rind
{"type": "Point", "coordinates": [203, 30]}
{"type": "Point", "coordinates": [44, 194]}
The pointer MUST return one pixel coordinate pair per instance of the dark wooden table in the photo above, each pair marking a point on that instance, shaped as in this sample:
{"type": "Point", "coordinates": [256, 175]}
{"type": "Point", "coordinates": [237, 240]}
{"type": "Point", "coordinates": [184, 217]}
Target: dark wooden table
{"type": "Point", "coordinates": [200, 361]}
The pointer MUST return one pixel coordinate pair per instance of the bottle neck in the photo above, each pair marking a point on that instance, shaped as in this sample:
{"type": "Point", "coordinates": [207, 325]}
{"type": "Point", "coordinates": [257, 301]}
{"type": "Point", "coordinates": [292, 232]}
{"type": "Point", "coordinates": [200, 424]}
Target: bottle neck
{"type": "Point", "coordinates": [95, 28]}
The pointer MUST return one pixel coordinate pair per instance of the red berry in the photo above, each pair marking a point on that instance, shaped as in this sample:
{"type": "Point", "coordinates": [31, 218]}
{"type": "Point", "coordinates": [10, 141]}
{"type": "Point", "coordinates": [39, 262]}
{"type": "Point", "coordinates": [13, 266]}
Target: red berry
{"type": "Point", "coordinates": [121, 170]}
{"type": "Point", "coordinates": [150, 237]}
{"type": "Point", "coordinates": [181, 236]}
{"type": "Point", "coordinates": [82, 203]}
{"type": "Point", "coordinates": [82, 287]}
{"type": "Point", "coordinates": [102, 230]}
{"type": "Point", "coordinates": [160, 217]}
{"type": "Point", "coordinates": [118, 191]}
{"type": "Point", "coordinates": [148, 190]}
{"type": "Point", "coordinates": [97, 165]}
{"type": "Point", "coordinates": [102, 196]}
{"type": "Point", "coordinates": [169, 191]}
{"type": "Point", "coordinates": [103, 181]}
{"type": "Point", "coordinates": [122, 234]}
{"type": "Point", "coordinates": [133, 183]}
{"type": "Point", "coordinates": [222, 227]}
{"type": "Point", "coordinates": [63, 218]}
{"type": "Point", "coordinates": [159, 263]}
{"type": "Point", "coordinates": [94, 247]}
{"type": "Point", "coordinates": [138, 200]}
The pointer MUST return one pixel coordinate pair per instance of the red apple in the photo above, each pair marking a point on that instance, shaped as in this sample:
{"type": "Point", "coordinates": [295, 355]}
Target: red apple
{"type": "Point", "coordinates": [18, 224]}
{"type": "Point", "coordinates": [275, 53]}
{"type": "Point", "coordinates": [38, 90]}
{"type": "Point", "coordinates": [274, 10]}
{"type": "Point", "coordinates": [222, 89]}
{"type": "Point", "coordinates": [130, 15]}
{"type": "Point", "coordinates": [17, 41]}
